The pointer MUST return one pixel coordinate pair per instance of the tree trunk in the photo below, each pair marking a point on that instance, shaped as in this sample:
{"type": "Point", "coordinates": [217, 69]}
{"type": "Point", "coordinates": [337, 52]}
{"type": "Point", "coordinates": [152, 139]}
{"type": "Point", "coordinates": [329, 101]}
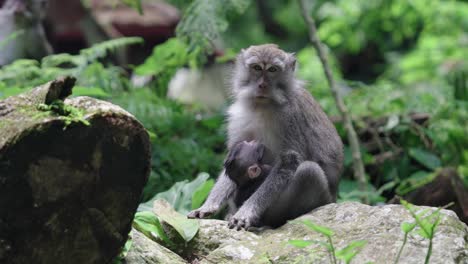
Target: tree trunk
{"type": "Point", "coordinates": [71, 176]}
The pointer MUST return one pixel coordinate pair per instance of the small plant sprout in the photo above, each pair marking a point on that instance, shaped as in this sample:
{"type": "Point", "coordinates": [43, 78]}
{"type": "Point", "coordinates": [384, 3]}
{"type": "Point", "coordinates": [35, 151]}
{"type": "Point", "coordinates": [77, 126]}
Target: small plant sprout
{"type": "Point", "coordinates": [427, 225]}
{"type": "Point", "coordinates": [346, 254]}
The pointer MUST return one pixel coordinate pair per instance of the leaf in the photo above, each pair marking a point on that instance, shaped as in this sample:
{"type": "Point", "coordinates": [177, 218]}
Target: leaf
{"type": "Point", "coordinates": [6, 92]}
{"type": "Point", "coordinates": [136, 4]}
{"type": "Point", "coordinates": [426, 158]}
{"type": "Point", "coordinates": [393, 121]}
{"type": "Point", "coordinates": [407, 227]}
{"type": "Point", "coordinates": [423, 233]}
{"type": "Point", "coordinates": [123, 253]}
{"type": "Point", "coordinates": [187, 228]}
{"type": "Point", "coordinates": [300, 243]}
{"type": "Point", "coordinates": [90, 91]}
{"type": "Point", "coordinates": [179, 195]}
{"type": "Point", "coordinates": [350, 251]}
{"type": "Point", "coordinates": [414, 181]}
{"type": "Point", "coordinates": [148, 224]}
{"type": "Point", "coordinates": [200, 195]}
{"type": "Point", "coordinates": [317, 228]}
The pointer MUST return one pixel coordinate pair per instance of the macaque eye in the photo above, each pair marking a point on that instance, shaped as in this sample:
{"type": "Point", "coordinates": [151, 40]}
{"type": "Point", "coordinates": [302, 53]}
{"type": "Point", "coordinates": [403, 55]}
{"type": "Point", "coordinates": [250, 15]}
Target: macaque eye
{"type": "Point", "coordinates": [257, 67]}
{"type": "Point", "coordinates": [272, 69]}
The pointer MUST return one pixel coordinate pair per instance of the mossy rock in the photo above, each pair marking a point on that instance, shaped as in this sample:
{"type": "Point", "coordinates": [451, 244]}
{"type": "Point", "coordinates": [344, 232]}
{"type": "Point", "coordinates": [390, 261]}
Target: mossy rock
{"type": "Point", "coordinates": [71, 176]}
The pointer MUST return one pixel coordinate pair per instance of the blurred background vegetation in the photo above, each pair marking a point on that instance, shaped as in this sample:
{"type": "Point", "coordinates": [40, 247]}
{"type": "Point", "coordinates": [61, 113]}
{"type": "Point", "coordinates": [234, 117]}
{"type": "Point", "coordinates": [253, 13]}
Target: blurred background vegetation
{"type": "Point", "coordinates": [402, 68]}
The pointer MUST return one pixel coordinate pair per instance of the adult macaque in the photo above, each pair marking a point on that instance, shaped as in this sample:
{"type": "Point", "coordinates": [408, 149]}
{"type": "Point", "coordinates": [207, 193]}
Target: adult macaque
{"type": "Point", "coordinates": [271, 106]}
{"type": "Point", "coordinates": [21, 32]}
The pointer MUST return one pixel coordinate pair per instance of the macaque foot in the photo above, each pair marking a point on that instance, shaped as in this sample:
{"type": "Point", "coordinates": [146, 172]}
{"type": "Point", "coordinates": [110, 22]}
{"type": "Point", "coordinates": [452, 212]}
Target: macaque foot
{"type": "Point", "coordinates": [202, 212]}
{"type": "Point", "coordinates": [290, 160]}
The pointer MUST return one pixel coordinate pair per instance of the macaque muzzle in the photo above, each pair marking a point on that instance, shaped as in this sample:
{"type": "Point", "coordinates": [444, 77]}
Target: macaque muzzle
{"type": "Point", "coordinates": [254, 171]}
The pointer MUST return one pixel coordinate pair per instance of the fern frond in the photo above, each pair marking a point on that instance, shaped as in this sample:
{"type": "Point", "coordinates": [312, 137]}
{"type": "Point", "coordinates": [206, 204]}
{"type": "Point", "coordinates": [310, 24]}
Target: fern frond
{"type": "Point", "coordinates": [101, 49]}
{"type": "Point", "coordinates": [205, 20]}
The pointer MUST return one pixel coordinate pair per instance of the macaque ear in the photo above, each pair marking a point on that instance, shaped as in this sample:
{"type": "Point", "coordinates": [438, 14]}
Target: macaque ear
{"type": "Point", "coordinates": [254, 171]}
{"type": "Point", "coordinates": [241, 55]}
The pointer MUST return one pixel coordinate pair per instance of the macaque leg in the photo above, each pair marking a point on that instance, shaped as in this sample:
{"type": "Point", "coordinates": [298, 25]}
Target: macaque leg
{"type": "Point", "coordinates": [307, 190]}
{"type": "Point", "coordinates": [293, 187]}
{"type": "Point", "coordinates": [222, 190]}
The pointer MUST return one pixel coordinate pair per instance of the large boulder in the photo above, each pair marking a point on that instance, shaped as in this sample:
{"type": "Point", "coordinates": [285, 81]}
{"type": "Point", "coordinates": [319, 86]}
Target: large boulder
{"type": "Point", "coordinates": [71, 176]}
{"type": "Point", "coordinates": [379, 226]}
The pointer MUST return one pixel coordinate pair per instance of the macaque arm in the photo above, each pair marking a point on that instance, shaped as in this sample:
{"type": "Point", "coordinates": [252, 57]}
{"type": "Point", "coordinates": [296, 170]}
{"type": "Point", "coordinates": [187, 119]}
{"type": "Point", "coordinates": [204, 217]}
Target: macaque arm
{"type": "Point", "coordinates": [221, 192]}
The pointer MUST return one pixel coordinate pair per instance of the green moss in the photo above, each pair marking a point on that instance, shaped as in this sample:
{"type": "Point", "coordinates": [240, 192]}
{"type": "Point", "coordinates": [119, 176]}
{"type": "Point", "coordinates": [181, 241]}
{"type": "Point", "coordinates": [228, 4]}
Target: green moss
{"type": "Point", "coordinates": [67, 113]}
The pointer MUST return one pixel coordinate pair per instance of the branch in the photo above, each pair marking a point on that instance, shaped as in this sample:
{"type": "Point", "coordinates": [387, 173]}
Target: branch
{"type": "Point", "coordinates": [358, 166]}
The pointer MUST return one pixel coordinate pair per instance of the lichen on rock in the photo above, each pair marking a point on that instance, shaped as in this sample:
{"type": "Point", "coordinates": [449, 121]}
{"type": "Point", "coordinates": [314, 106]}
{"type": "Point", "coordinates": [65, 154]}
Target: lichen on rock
{"type": "Point", "coordinates": [380, 226]}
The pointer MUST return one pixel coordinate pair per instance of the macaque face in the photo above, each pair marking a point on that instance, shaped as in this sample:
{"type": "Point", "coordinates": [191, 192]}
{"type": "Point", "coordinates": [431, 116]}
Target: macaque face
{"type": "Point", "coordinates": [244, 162]}
{"type": "Point", "coordinates": [264, 74]}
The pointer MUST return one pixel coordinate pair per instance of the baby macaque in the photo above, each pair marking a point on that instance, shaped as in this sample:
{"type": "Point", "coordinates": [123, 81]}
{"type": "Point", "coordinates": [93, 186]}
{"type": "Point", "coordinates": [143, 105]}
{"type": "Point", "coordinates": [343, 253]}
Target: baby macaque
{"type": "Point", "coordinates": [247, 164]}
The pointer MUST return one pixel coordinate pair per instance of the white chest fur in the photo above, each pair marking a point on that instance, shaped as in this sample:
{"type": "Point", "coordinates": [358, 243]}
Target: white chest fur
{"type": "Point", "coordinates": [245, 123]}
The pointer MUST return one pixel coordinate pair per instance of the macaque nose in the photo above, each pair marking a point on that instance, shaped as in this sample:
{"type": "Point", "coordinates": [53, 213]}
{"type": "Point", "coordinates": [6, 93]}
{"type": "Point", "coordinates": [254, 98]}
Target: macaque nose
{"type": "Point", "coordinates": [262, 86]}
{"type": "Point", "coordinates": [254, 171]}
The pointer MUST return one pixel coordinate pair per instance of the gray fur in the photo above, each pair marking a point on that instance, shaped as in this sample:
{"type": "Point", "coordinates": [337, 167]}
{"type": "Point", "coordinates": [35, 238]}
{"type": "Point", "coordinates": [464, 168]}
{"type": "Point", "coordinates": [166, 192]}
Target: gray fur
{"type": "Point", "coordinates": [289, 122]}
{"type": "Point", "coordinates": [23, 18]}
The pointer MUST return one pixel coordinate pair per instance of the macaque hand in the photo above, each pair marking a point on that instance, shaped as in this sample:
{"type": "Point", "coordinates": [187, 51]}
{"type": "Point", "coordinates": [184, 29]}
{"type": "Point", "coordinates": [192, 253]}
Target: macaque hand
{"type": "Point", "coordinates": [243, 219]}
{"type": "Point", "coordinates": [202, 212]}
{"type": "Point", "coordinates": [290, 160]}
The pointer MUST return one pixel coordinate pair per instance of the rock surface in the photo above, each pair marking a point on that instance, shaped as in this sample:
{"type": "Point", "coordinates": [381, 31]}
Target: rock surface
{"type": "Point", "coordinates": [380, 226]}
{"type": "Point", "coordinates": [71, 176]}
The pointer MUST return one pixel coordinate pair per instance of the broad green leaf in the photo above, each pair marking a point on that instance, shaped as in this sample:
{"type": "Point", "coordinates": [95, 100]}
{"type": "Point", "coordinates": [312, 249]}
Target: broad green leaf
{"type": "Point", "coordinates": [317, 228]}
{"type": "Point", "coordinates": [148, 224]}
{"type": "Point", "coordinates": [187, 228]}
{"type": "Point", "coordinates": [300, 243]}
{"type": "Point", "coordinates": [200, 195]}
{"type": "Point", "coordinates": [179, 195]}
{"type": "Point", "coordinates": [426, 158]}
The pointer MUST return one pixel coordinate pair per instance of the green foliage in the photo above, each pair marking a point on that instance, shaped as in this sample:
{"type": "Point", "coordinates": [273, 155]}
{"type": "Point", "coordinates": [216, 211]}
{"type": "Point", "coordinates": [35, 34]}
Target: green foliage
{"type": "Point", "coordinates": [186, 228]}
{"type": "Point", "coordinates": [427, 224]}
{"type": "Point", "coordinates": [346, 254]}
{"type": "Point", "coordinates": [148, 224]}
{"type": "Point", "coordinates": [352, 25]}
{"type": "Point", "coordinates": [166, 59]}
{"type": "Point", "coordinates": [25, 74]}
{"type": "Point", "coordinates": [200, 195]}
{"type": "Point", "coordinates": [415, 180]}
{"type": "Point", "coordinates": [186, 141]}
{"type": "Point", "coordinates": [136, 4]}
{"type": "Point", "coordinates": [183, 196]}
{"type": "Point", "coordinates": [200, 27]}
{"type": "Point", "coordinates": [317, 228]}
{"type": "Point", "coordinates": [350, 251]}
{"type": "Point", "coordinates": [120, 258]}
{"type": "Point", "coordinates": [67, 113]}
{"type": "Point", "coordinates": [210, 15]}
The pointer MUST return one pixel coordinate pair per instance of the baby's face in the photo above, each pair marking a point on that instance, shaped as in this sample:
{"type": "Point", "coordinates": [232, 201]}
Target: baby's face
{"type": "Point", "coordinates": [244, 162]}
